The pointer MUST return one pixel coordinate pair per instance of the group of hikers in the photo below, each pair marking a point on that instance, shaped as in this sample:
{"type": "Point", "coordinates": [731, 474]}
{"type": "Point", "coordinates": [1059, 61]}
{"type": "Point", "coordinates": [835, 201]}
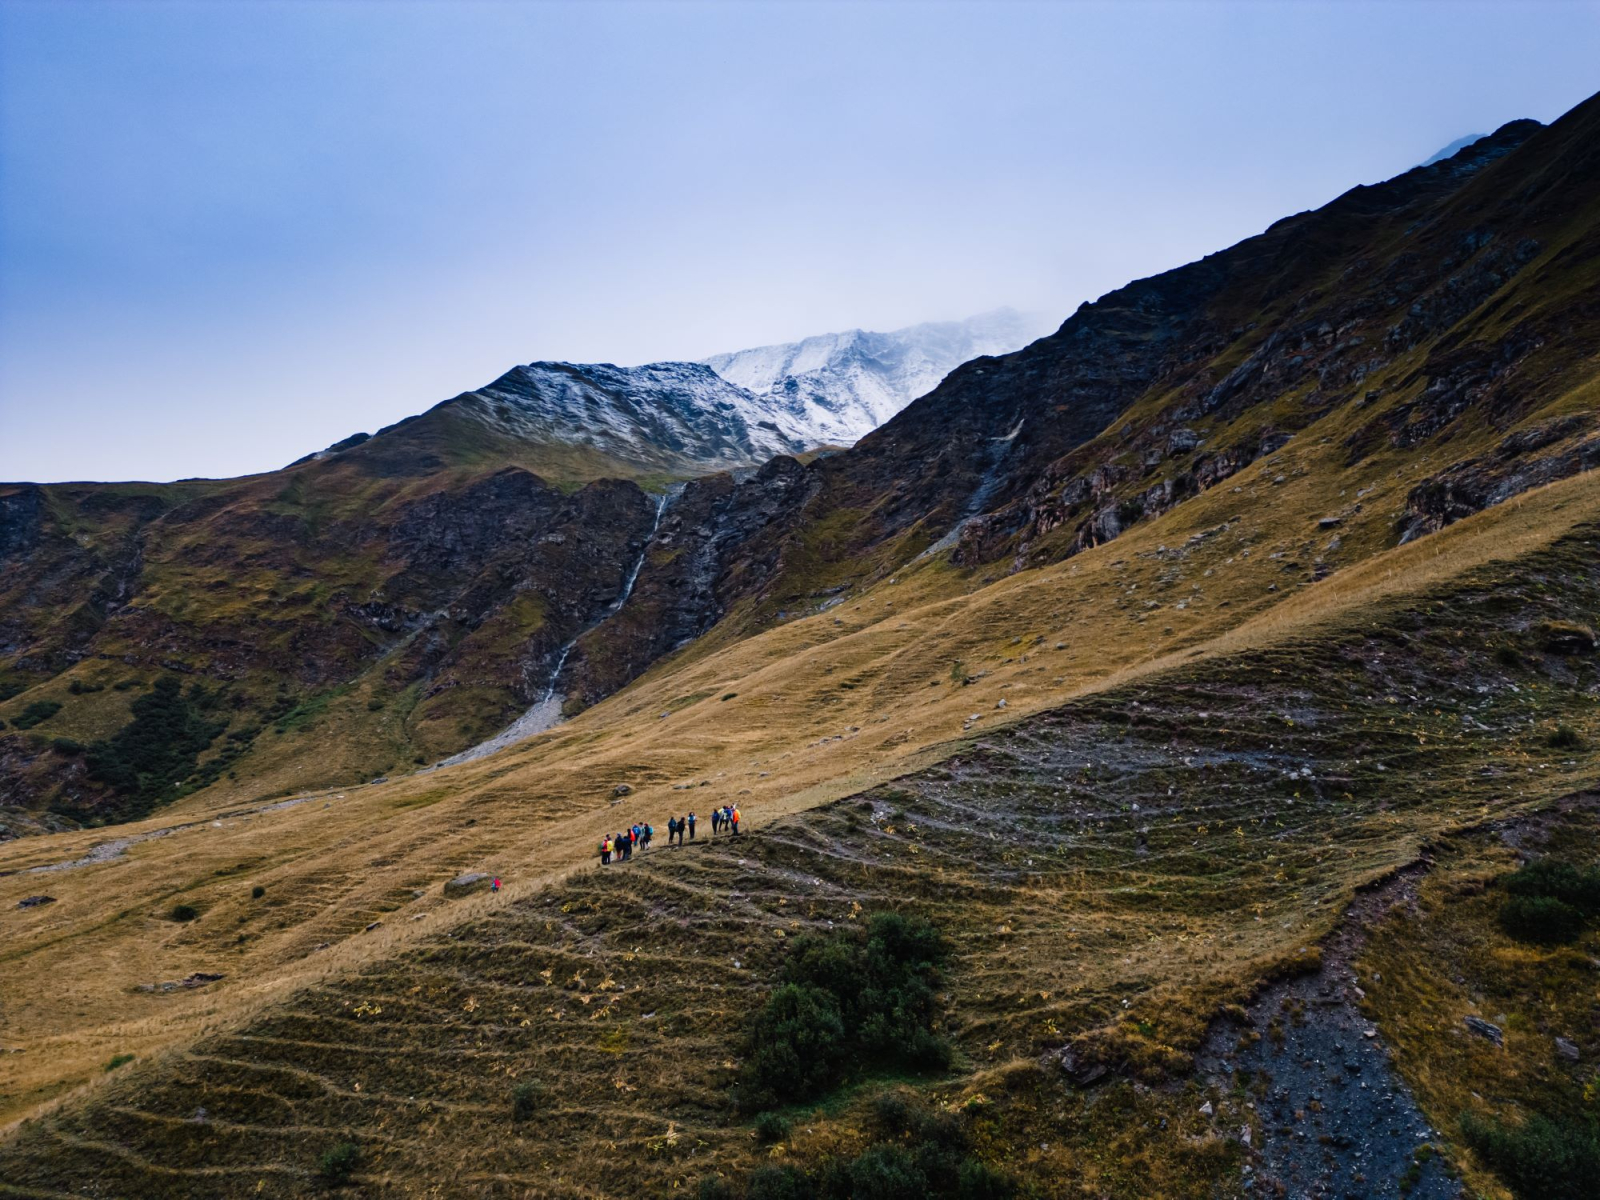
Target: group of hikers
{"type": "Point", "coordinates": [620, 846]}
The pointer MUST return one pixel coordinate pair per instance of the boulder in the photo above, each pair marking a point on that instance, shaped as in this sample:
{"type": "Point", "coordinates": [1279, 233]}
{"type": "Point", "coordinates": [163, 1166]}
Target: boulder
{"type": "Point", "coordinates": [1567, 637]}
{"type": "Point", "coordinates": [622, 789]}
{"type": "Point", "coordinates": [1485, 1029]}
{"type": "Point", "coordinates": [465, 885]}
{"type": "Point", "coordinates": [1567, 1050]}
{"type": "Point", "coordinates": [35, 901]}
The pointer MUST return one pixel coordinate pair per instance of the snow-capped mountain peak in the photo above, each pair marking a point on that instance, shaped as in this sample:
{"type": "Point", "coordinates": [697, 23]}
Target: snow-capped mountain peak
{"type": "Point", "coordinates": [838, 387]}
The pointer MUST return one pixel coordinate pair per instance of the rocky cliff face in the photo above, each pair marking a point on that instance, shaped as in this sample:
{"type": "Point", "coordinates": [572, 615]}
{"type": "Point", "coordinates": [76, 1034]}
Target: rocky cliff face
{"type": "Point", "coordinates": [1451, 304]}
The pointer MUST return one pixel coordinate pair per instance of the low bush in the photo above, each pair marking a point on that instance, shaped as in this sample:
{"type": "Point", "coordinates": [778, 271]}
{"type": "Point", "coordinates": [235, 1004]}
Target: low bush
{"type": "Point", "coordinates": [847, 999]}
{"type": "Point", "coordinates": [780, 1183]}
{"type": "Point", "coordinates": [66, 746]}
{"type": "Point", "coordinates": [1539, 1159]}
{"type": "Point", "coordinates": [525, 1101]}
{"type": "Point", "coordinates": [33, 714]}
{"type": "Point", "coordinates": [770, 1127]}
{"type": "Point", "coordinates": [1507, 656]}
{"type": "Point", "coordinates": [1543, 920]}
{"type": "Point", "coordinates": [712, 1188]}
{"type": "Point", "coordinates": [338, 1163]}
{"type": "Point", "coordinates": [184, 912]}
{"type": "Point", "coordinates": [1564, 737]}
{"type": "Point", "coordinates": [119, 1060]}
{"type": "Point", "coordinates": [1577, 886]}
{"type": "Point", "coordinates": [257, 892]}
{"type": "Point", "coordinates": [915, 1153]}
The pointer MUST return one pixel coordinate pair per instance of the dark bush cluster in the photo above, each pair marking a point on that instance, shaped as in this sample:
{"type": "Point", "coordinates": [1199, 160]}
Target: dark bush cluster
{"type": "Point", "coordinates": [148, 758]}
{"type": "Point", "coordinates": [1550, 901]}
{"type": "Point", "coordinates": [33, 714]}
{"type": "Point", "coordinates": [1539, 1159]}
{"type": "Point", "coordinates": [339, 1163]}
{"type": "Point", "coordinates": [847, 1000]}
{"type": "Point", "coordinates": [915, 1154]}
{"type": "Point", "coordinates": [1564, 737]}
{"type": "Point", "coordinates": [525, 1101]}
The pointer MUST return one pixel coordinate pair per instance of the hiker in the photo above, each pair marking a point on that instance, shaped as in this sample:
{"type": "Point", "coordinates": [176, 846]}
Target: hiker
{"type": "Point", "coordinates": [649, 832]}
{"type": "Point", "coordinates": [691, 830]}
{"type": "Point", "coordinates": [733, 816]}
{"type": "Point", "coordinates": [605, 851]}
{"type": "Point", "coordinates": [672, 829]}
{"type": "Point", "coordinates": [716, 821]}
{"type": "Point", "coordinates": [495, 886]}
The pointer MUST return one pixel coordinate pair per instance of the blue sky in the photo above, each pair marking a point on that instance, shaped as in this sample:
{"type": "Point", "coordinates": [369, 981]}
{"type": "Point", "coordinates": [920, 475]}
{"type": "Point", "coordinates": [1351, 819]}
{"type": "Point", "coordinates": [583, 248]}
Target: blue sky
{"type": "Point", "coordinates": [234, 232]}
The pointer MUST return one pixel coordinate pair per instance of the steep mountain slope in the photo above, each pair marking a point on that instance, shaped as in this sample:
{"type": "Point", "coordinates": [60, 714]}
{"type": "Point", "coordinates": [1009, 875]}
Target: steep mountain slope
{"type": "Point", "coordinates": [839, 387]}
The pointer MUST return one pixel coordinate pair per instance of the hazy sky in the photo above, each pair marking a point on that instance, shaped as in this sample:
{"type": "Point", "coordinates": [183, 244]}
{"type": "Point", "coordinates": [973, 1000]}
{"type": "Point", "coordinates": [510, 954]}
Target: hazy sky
{"type": "Point", "coordinates": [233, 232]}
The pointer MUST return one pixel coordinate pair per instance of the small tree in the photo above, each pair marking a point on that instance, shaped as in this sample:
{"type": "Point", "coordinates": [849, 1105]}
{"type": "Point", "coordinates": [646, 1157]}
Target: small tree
{"type": "Point", "coordinates": [338, 1163]}
{"type": "Point", "coordinates": [525, 1098]}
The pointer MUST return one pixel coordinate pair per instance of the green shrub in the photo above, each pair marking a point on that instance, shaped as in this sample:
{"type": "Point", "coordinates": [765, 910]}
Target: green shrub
{"type": "Point", "coordinates": [374, 705]}
{"type": "Point", "coordinates": [184, 912]}
{"type": "Point", "coordinates": [525, 1100]}
{"type": "Point", "coordinates": [1539, 1159]}
{"type": "Point", "coordinates": [729, 695]}
{"type": "Point", "coordinates": [975, 1181]}
{"type": "Point", "coordinates": [119, 1060]}
{"type": "Point", "coordinates": [916, 1152]}
{"type": "Point", "coordinates": [257, 892]}
{"type": "Point", "coordinates": [797, 1045]}
{"type": "Point", "coordinates": [887, 1172]}
{"type": "Point", "coordinates": [780, 1183]}
{"type": "Point", "coordinates": [1540, 919]}
{"type": "Point", "coordinates": [770, 1127]}
{"type": "Point", "coordinates": [847, 998]}
{"type": "Point", "coordinates": [338, 1163]}
{"type": "Point", "coordinates": [1565, 737]}
{"type": "Point", "coordinates": [79, 688]}
{"type": "Point", "coordinates": [712, 1188]}
{"type": "Point", "coordinates": [1507, 656]}
{"type": "Point", "coordinates": [1579, 887]}
{"type": "Point", "coordinates": [39, 710]}
{"type": "Point", "coordinates": [67, 746]}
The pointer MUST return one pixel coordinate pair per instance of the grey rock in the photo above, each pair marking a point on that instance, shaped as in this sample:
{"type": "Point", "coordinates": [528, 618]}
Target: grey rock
{"type": "Point", "coordinates": [1485, 1029]}
{"type": "Point", "coordinates": [1567, 1050]}
{"type": "Point", "coordinates": [35, 901]}
{"type": "Point", "coordinates": [465, 885]}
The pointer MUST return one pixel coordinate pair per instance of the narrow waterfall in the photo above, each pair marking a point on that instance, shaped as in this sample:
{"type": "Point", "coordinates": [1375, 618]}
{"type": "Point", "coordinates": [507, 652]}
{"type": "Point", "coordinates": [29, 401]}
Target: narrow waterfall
{"type": "Point", "coordinates": [546, 711]}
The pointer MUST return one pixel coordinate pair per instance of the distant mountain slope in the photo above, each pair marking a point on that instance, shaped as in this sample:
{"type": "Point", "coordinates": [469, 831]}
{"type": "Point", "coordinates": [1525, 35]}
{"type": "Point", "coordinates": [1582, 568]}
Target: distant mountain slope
{"type": "Point", "coordinates": [1454, 148]}
{"type": "Point", "coordinates": [839, 387]}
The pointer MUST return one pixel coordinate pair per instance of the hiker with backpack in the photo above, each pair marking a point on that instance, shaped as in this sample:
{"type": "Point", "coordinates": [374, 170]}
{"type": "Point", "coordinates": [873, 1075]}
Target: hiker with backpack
{"type": "Point", "coordinates": [605, 851]}
{"type": "Point", "coordinates": [690, 819]}
{"type": "Point", "coordinates": [733, 818]}
{"type": "Point", "coordinates": [672, 829]}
